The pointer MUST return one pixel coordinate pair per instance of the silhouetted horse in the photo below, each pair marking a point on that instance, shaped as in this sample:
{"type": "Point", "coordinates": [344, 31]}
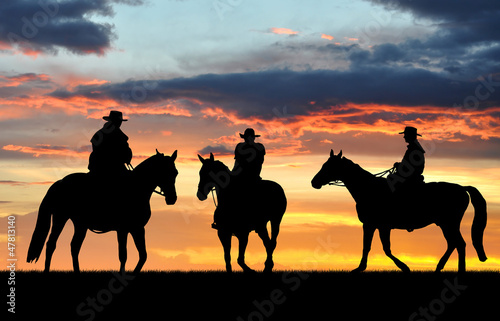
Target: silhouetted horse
{"type": "Point", "coordinates": [102, 205]}
{"type": "Point", "coordinates": [241, 209]}
{"type": "Point", "coordinates": [441, 203]}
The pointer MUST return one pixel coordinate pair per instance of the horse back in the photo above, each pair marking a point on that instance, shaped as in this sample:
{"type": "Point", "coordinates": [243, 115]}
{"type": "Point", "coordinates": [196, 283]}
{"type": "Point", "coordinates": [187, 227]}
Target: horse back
{"type": "Point", "coordinates": [99, 203]}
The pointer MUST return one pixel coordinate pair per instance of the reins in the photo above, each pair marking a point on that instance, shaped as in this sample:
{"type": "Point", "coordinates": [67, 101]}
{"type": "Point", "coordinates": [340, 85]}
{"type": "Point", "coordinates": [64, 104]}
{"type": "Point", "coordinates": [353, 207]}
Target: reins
{"type": "Point", "coordinates": [131, 168]}
{"type": "Point", "coordinates": [381, 174]}
{"type": "Point", "coordinates": [213, 197]}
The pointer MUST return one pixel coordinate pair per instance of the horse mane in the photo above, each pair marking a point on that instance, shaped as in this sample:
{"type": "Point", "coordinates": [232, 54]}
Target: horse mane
{"type": "Point", "coordinates": [355, 166]}
{"type": "Point", "coordinates": [218, 163]}
{"type": "Point", "coordinates": [360, 171]}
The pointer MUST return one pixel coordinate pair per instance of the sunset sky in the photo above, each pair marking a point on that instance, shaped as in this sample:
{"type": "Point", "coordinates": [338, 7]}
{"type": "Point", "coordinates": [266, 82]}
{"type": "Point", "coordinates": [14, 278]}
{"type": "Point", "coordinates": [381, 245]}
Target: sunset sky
{"type": "Point", "coordinates": [309, 76]}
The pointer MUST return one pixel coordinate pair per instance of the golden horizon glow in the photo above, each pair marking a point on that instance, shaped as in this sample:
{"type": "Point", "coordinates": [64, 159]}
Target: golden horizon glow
{"type": "Point", "coordinates": [319, 231]}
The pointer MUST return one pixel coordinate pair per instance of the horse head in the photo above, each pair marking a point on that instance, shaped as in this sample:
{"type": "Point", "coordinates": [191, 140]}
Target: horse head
{"type": "Point", "coordinates": [330, 171]}
{"type": "Point", "coordinates": [212, 174]}
{"type": "Point", "coordinates": [164, 172]}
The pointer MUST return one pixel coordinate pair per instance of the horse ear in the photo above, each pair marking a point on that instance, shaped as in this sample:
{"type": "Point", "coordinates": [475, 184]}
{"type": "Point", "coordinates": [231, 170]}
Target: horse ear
{"type": "Point", "coordinates": [174, 155]}
{"type": "Point", "coordinates": [331, 152]}
{"type": "Point", "coordinates": [211, 156]}
{"type": "Point", "coordinates": [201, 159]}
{"type": "Point", "coordinates": [157, 152]}
{"type": "Point", "coordinates": [340, 154]}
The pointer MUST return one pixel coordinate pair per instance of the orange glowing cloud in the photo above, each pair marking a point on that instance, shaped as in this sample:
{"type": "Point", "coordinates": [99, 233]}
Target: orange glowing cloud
{"type": "Point", "coordinates": [47, 150]}
{"type": "Point", "coordinates": [14, 81]}
{"type": "Point", "coordinates": [283, 31]}
{"type": "Point", "coordinates": [436, 122]}
{"type": "Point", "coordinates": [327, 37]}
{"type": "Point", "coordinates": [440, 123]}
{"type": "Point", "coordinates": [166, 132]}
{"type": "Point", "coordinates": [21, 49]}
{"type": "Point", "coordinates": [5, 46]}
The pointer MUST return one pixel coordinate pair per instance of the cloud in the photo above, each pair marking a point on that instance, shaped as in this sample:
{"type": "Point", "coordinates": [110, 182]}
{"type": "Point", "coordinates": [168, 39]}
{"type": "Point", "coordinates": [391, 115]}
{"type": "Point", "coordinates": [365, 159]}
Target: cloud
{"type": "Point", "coordinates": [444, 10]}
{"type": "Point", "coordinates": [218, 150]}
{"type": "Point", "coordinates": [35, 27]}
{"type": "Point", "coordinates": [327, 37]}
{"type": "Point", "coordinates": [464, 42]}
{"type": "Point", "coordinates": [372, 99]}
{"type": "Point", "coordinates": [283, 31]}
{"type": "Point", "coordinates": [258, 94]}
{"type": "Point", "coordinates": [166, 132]}
{"type": "Point", "coordinates": [17, 80]}
{"type": "Point", "coordinates": [48, 150]}
{"type": "Point", "coordinates": [19, 183]}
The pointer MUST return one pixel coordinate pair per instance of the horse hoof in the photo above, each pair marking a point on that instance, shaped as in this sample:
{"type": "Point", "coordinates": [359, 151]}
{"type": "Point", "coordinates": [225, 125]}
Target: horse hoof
{"type": "Point", "coordinates": [358, 270]}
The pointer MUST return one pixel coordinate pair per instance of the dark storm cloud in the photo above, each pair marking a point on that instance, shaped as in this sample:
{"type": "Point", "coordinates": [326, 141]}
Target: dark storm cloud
{"type": "Point", "coordinates": [467, 31]}
{"type": "Point", "coordinates": [218, 150]}
{"type": "Point", "coordinates": [450, 10]}
{"type": "Point", "coordinates": [45, 26]}
{"type": "Point", "coordinates": [263, 94]}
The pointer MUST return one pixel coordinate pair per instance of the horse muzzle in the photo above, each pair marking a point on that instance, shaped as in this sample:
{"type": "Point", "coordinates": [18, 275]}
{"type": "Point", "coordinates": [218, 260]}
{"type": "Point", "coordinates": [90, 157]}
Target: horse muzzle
{"type": "Point", "coordinates": [316, 184]}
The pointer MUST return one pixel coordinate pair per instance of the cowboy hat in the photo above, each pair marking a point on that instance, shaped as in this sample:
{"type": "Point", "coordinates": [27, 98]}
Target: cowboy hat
{"type": "Point", "coordinates": [249, 132]}
{"type": "Point", "coordinates": [114, 115]}
{"type": "Point", "coordinates": [410, 130]}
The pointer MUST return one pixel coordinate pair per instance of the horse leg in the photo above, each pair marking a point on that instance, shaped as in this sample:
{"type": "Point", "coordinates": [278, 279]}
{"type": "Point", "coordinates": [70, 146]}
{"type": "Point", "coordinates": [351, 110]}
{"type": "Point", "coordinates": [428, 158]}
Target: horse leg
{"type": "Point", "coordinates": [368, 231]}
{"type": "Point", "coordinates": [139, 237]}
{"type": "Point", "coordinates": [243, 241]}
{"type": "Point", "coordinates": [225, 240]}
{"type": "Point", "coordinates": [122, 249]}
{"type": "Point", "coordinates": [270, 246]}
{"type": "Point", "coordinates": [461, 252]}
{"type": "Point", "coordinates": [57, 227]}
{"type": "Point", "coordinates": [385, 238]}
{"type": "Point", "coordinates": [450, 236]}
{"type": "Point", "coordinates": [76, 245]}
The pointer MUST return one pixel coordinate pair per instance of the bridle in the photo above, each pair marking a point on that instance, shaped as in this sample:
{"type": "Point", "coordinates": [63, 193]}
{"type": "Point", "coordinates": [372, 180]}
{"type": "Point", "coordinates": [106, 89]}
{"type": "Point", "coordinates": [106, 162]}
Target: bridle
{"type": "Point", "coordinates": [381, 174]}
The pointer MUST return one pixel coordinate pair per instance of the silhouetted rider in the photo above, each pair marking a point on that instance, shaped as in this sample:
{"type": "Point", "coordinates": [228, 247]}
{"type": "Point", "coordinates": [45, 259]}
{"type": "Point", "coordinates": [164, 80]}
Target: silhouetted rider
{"type": "Point", "coordinates": [249, 157]}
{"type": "Point", "coordinates": [110, 150]}
{"type": "Point", "coordinates": [409, 171]}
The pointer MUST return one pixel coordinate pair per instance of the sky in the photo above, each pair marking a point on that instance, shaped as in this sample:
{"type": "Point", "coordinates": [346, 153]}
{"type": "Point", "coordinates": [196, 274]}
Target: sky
{"type": "Point", "coordinates": [308, 76]}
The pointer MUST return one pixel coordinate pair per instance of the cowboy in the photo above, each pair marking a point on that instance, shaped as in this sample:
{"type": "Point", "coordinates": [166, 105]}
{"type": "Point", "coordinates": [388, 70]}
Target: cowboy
{"type": "Point", "coordinates": [409, 171]}
{"type": "Point", "coordinates": [249, 157]}
{"type": "Point", "coordinates": [110, 150]}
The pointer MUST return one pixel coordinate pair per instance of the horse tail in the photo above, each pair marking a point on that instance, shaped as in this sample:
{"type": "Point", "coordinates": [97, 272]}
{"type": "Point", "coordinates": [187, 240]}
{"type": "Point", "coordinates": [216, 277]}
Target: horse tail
{"type": "Point", "coordinates": [479, 222]}
{"type": "Point", "coordinates": [281, 205]}
{"type": "Point", "coordinates": [42, 226]}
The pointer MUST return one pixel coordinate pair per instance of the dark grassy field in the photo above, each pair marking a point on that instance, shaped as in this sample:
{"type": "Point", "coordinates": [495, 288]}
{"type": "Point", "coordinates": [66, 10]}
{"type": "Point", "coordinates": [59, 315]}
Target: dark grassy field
{"type": "Point", "coordinates": [289, 295]}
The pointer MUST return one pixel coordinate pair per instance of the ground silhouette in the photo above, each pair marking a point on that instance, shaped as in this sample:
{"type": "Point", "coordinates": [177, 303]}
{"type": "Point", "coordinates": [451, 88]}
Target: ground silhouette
{"type": "Point", "coordinates": [280, 295]}
{"type": "Point", "coordinates": [93, 203]}
{"type": "Point", "coordinates": [242, 208]}
{"type": "Point", "coordinates": [441, 203]}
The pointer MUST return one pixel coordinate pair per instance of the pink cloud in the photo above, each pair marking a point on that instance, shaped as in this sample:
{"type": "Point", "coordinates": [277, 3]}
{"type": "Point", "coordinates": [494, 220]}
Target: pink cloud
{"type": "Point", "coordinates": [283, 31]}
{"type": "Point", "coordinates": [47, 150]}
{"type": "Point", "coordinates": [327, 37]}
